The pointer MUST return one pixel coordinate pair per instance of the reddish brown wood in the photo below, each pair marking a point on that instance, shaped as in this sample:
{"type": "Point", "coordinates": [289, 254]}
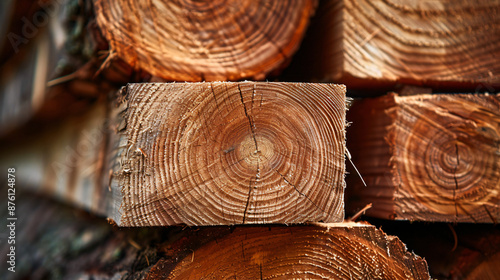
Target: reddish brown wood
{"type": "Point", "coordinates": [372, 44]}
{"type": "Point", "coordinates": [229, 153]}
{"type": "Point", "coordinates": [57, 241]}
{"type": "Point", "coordinates": [452, 251]}
{"type": "Point", "coordinates": [319, 251]}
{"type": "Point", "coordinates": [427, 157]}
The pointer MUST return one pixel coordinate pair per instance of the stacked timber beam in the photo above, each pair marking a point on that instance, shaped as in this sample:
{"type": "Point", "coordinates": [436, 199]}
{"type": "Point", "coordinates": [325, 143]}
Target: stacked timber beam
{"type": "Point", "coordinates": [441, 44]}
{"type": "Point", "coordinates": [56, 241]}
{"type": "Point", "coordinates": [186, 143]}
{"type": "Point", "coordinates": [200, 154]}
{"type": "Point", "coordinates": [318, 251]}
{"type": "Point", "coordinates": [453, 251]}
{"type": "Point", "coordinates": [145, 126]}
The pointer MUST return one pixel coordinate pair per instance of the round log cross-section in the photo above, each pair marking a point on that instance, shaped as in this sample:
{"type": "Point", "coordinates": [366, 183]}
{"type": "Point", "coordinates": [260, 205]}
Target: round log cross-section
{"type": "Point", "coordinates": [186, 40]}
{"type": "Point", "coordinates": [231, 153]}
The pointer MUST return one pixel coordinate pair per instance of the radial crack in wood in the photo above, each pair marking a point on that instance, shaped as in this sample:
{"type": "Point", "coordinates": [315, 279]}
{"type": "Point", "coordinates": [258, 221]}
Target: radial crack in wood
{"type": "Point", "coordinates": [207, 40]}
{"type": "Point", "coordinates": [67, 160]}
{"type": "Point", "coordinates": [229, 153]}
{"type": "Point", "coordinates": [320, 251]}
{"type": "Point", "coordinates": [428, 157]}
{"type": "Point", "coordinates": [453, 251]}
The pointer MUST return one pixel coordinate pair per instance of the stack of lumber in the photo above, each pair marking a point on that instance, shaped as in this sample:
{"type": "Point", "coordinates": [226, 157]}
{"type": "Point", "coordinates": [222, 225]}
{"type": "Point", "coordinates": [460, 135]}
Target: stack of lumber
{"type": "Point", "coordinates": [135, 115]}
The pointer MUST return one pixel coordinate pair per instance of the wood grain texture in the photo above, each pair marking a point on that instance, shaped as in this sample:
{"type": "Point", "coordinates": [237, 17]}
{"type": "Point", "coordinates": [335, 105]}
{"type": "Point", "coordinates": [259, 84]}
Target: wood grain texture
{"type": "Point", "coordinates": [229, 153]}
{"type": "Point", "coordinates": [428, 157]}
{"type": "Point", "coordinates": [460, 251]}
{"type": "Point", "coordinates": [55, 241]}
{"type": "Point", "coordinates": [322, 251]}
{"type": "Point", "coordinates": [15, 19]}
{"type": "Point", "coordinates": [66, 161]}
{"type": "Point", "coordinates": [440, 43]}
{"type": "Point", "coordinates": [205, 40]}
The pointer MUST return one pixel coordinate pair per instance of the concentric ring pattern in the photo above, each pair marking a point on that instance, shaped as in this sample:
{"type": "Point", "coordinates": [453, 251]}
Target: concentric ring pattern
{"type": "Point", "coordinates": [301, 252]}
{"type": "Point", "coordinates": [230, 153]}
{"type": "Point", "coordinates": [448, 155]}
{"type": "Point", "coordinates": [187, 40]}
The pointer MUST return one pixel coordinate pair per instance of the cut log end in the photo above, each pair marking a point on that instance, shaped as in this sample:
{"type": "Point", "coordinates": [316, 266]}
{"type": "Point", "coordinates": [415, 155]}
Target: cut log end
{"type": "Point", "coordinates": [429, 157]}
{"type": "Point", "coordinates": [210, 40]}
{"type": "Point", "coordinates": [352, 251]}
{"type": "Point", "coordinates": [231, 153]}
{"type": "Point", "coordinates": [369, 45]}
{"type": "Point", "coordinates": [455, 138]}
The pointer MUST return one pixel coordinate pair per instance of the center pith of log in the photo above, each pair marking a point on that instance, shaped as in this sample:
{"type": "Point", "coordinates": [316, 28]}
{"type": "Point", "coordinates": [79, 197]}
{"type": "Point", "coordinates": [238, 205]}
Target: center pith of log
{"type": "Point", "coordinates": [205, 40]}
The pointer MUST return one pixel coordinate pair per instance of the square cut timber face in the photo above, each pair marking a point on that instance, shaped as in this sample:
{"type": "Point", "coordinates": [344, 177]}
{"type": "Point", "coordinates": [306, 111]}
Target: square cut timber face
{"type": "Point", "coordinates": [227, 153]}
{"type": "Point", "coordinates": [427, 157]}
